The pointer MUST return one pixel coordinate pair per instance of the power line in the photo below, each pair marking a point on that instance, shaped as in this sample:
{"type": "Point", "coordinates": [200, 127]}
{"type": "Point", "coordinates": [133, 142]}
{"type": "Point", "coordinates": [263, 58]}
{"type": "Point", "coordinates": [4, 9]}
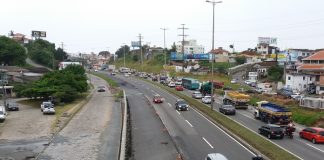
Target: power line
{"type": "Point", "coordinates": [183, 40]}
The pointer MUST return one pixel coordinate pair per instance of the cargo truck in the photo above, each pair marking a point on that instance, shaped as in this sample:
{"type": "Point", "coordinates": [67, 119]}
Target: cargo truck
{"type": "Point", "coordinates": [237, 99]}
{"type": "Point", "coordinates": [272, 113]}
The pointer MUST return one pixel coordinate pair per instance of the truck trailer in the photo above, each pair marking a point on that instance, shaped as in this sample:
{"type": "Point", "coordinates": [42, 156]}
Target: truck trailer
{"type": "Point", "coordinates": [272, 113]}
{"type": "Point", "coordinates": [237, 99]}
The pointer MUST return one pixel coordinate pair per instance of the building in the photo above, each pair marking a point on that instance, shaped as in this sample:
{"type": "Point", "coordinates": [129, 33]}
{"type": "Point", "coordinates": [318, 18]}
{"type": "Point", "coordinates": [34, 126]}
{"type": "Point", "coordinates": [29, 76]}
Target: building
{"type": "Point", "coordinates": [252, 57]}
{"type": "Point", "coordinates": [265, 49]}
{"type": "Point", "coordinates": [299, 81]}
{"type": "Point", "coordinates": [190, 47]}
{"type": "Point", "coordinates": [294, 55]}
{"type": "Point", "coordinates": [20, 38]}
{"type": "Point", "coordinates": [220, 55]}
{"type": "Point", "coordinates": [314, 66]}
{"type": "Point", "coordinates": [261, 68]}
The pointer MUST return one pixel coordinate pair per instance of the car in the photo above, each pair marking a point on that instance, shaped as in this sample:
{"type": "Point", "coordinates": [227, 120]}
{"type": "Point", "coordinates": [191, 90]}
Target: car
{"type": "Point", "coordinates": [234, 81]}
{"type": "Point", "coordinates": [181, 105]}
{"type": "Point", "coordinates": [297, 98]}
{"type": "Point", "coordinates": [46, 104]}
{"type": "Point", "coordinates": [3, 114]}
{"type": "Point", "coordinates": [314, 134]}
{"type": "Point", "coordinates": [126, 74]}
{"type": "Point", "coordinates": [113, 73]}
{"type": "Point", "coordinates": [259, 90]}
{"type": "Point", "coordinates": [248, 82]}
{"type": "Point", "coordinates": [294, 95]}
{"type": "Point", "coordinates": [215, 156]}
{"type": "Point", "coordinates": [272, 131]}
{"type": "Point", "coordinates": [178, 82]}
{"type": "Point", "coordinates": [253, 84]}
{"type": "Point", "coordinates": [49, 110]}
{"type": "Point", "coordinates": [206, 99]}
{"type": "Point", "coordinates": [158, 99]}
{"type": "Point", "coordinates": [96, 70]}
{"type": "Point", "coordinates": [101, 89]}
{"type": "Point", "coordinates": [12, 106]}
{"type": "Point", "coordinates": [171, 84]}
{"type": "Point", "coordinates": [179, 88]}
{"type": "Point", "coordinates": [227, 109]}
{"type": "Point", "coordinates": [197, 95]}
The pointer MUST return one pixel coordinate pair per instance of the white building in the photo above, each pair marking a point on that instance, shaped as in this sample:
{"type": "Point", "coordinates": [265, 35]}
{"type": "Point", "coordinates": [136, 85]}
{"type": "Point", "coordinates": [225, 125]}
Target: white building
{"type": "Point", "coordinates": [190, 47]}
{"type": "Point", "coordinates": [253, 76]}
{"type": "Point", "coordinates": [299, 81]}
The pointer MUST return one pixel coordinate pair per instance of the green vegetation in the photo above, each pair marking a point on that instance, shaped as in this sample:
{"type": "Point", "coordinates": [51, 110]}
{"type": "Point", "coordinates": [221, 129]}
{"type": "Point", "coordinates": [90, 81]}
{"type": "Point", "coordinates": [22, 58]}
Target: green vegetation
{"type": "Point", "coordinates": [260, 143]}
{"type": "Point", "coordinates": [275, 73]}
{"type": "Point", "coordinates": [240, 60]}
{"type": "Point", "coordinates": [11, 52]}
{"type": "Point", "coordinates": [64, 85]}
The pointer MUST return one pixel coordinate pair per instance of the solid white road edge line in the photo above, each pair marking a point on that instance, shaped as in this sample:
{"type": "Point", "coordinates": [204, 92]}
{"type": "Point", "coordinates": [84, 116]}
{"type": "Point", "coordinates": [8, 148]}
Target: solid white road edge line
{"type": "Point", "coordinates": [310, 145]}
{"type": "Point", "coordinates": [208, 143]}
{"type": "Point", "coordinates": [189, 123]}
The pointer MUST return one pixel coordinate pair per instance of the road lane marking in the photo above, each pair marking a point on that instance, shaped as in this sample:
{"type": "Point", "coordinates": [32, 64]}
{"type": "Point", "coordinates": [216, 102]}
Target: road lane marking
{"type": "Point", "coordinates": [208, 143]}
{"type": "Point", "coordinates": [247, 116]}
{"type": "Point", "coordinates": [169, 104]}
{"type": "Point", "coordinates": [311, 146]}
{"type": "Point", "coordinates": [189, 123]}
{"type": "Point", "coordinates": [178, 112]}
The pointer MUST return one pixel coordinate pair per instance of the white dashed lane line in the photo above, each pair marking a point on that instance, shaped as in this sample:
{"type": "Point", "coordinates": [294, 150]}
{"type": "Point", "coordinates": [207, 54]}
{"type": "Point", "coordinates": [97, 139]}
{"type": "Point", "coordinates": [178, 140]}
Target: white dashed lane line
{"type": "Point", "coordinates": [189, 123]}
{"type": "Point", "coordinates": [207, 142]}
{"type": "Point", "coordinates": [169, 104]}
{"type": "Point", "coordinates": [178, 112]}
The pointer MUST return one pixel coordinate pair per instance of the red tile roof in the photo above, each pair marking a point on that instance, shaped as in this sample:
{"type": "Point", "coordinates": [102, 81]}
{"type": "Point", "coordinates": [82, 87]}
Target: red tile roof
{"type": "Point", "coordinates": [311, 67]}
{"type": "Point", "coordinates": [316, 56]}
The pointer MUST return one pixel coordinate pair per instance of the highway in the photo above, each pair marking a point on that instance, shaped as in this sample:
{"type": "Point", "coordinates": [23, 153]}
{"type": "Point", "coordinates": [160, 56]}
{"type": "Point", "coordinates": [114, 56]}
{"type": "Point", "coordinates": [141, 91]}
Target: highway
{"type": "Point", "coordinates": [194, 135]}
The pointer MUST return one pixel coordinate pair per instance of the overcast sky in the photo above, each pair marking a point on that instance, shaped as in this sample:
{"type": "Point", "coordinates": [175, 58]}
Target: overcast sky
{"type": "Point", "coordinates": [96, 25]}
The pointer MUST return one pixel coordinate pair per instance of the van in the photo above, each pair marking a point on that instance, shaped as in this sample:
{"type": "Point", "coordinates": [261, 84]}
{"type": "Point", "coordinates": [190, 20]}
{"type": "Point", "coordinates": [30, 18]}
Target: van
{"type": "Point", "coordinates": [3, 113]}
{"type": "Point", "coordinates": [215, 156]}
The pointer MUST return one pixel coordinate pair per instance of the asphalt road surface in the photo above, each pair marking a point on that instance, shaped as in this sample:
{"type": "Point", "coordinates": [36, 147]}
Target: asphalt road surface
{"type": "Point", "coordinates": [194, 136]}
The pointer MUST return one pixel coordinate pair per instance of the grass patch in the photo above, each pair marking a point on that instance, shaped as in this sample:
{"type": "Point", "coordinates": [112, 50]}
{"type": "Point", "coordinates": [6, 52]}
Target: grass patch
{"type": "Point", "coordinates": [267, 148]}
{"type": "Point", "coordinates": [111, 82]}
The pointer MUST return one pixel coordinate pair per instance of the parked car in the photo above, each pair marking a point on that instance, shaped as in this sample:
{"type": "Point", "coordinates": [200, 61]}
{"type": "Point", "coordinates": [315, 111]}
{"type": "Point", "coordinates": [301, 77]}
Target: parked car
{"type": "Point", "coordinates": [314, 134]}
{"type": "Point", "coordinates": [46, 104]}
{"type": "Point", "coordinates": [286, 92]}
{"type": "Point", "coordinates": [248, 82]}
{"type": "Point", "coordinates": [171, 84]}
{"type": "Point", "coordinates": [272, 131]}
{"type": "Point", "coordinates": [206, 99]}
{"type": "Point", "coordinates": [215, 156]}
{"type": "Point", "coordinates": [49, 110]}
{"type": "Point", "coordinates": [12, 106]}
{"type": "Point", "coordinates": [158, 99]}
{"type": "Point", "coordinates": [3, 114]}
{"type": "Point", "coordinates": [197, 95]}
{"type": "Point", "coordinates": [253, 84]}
{"type": "Point", "coordinates": [113, 73]}
{"type": "Point", "coordinates": [181, 105]}
{"type": "Point", "coordinates": [179, 88]}
{"type": "Point", "coordinates": [101, 89]}
{"type": "Point", "coordinates": [234, 81]}
{"type": "Point", "coordinates": [227, 109]}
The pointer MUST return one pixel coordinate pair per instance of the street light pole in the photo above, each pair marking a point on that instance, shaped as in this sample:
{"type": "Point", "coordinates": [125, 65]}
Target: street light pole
{"type": "Point", "coordinates": [124, 53]}
{"type": "Point", "coordinates": [213, 56]}
{"type": "Point", "coordinates": [164, 45]}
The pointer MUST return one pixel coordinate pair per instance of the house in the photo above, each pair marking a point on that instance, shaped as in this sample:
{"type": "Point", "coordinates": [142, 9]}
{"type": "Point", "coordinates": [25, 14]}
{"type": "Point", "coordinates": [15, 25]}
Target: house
{"type": "Point", "coordinates": [265, 49]}
{"type": "Point", "coordinates": [314, 65]}
{"type": "Point", "coordinates": [220, 55]}
{"type": "Point", "coordinates": [262, 68]}
{"type": "Point", "coordinates": [299, 81]}
{"type": "Point", "coordinates": [20, 38]}
{"type": "Point", "coordinates": [251, 56]}
{"type": "Point", "coordinates": [190, 47]}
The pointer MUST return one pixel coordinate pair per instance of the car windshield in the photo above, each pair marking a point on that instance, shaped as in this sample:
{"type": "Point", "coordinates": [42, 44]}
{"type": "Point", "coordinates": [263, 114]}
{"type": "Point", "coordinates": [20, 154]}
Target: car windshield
{"type": "Point", "coordinates": [207, 96]}
{"type": "Point", "coordinates": [228, 106]}
{"type": "Point", "coordinates": [157, 97]}
{"type": "Point", "coordinates": [276, 129]}
{"type": "Point", "coordinates": [321, 133]}
{"type": "Point", "coordinates": [1, 112]}
{"type": "Point", "coordinates": [182, 102]}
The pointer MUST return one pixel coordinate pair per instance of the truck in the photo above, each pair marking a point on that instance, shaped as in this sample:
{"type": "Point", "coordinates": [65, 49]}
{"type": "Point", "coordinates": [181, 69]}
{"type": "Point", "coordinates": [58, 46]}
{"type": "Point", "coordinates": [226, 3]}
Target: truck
{"type": "Point", "coordinates": [205, 87]}
{"type": "Point", "coordinates": [272, 113]}
{"type": "Point", "coordinates": [237, 99]}
{"type": "Point", "coordinates": [63, 65]}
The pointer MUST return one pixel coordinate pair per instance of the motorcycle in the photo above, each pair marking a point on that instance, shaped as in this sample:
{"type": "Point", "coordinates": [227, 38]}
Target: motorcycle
{"type": "Point", "coordinates": [289, 131]}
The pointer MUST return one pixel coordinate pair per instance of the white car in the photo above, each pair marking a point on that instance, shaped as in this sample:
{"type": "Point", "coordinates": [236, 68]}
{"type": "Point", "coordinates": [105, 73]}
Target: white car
{"type": "Point", "coordinates": [171, 84]}
{"type": "Point", "coordinates": [3, 113]}
{"type": "Point", "coordinates": [178, 83]}
{"type": "Point", "coordinates": [46, 105]}
{"type": "Point", "coordinates": [197, 95]}
{"type": "Point", "coordinates": [206, 99]}
{"type": "Point", "coordinates": [248, 82]}
{"type": "Point", "coordinates": [233, 81]}
{"type": "Point", "coordinates": [49, 110]}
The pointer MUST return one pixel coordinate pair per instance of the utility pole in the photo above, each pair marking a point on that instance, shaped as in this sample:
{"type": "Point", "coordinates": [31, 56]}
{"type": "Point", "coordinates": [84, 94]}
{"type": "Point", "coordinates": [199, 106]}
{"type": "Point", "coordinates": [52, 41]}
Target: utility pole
{"type": "Point", "coordinates": [213, 56]}
{"type": "Point", "coordinates": [124, 53]}
{"type": "Point", "coordinates": [165, 54]}
{"type": "Point", "coordinates": [62, 46]}
{"type": "Point", "coordinates": [140, 43]}
{"type": "Point", "coordinates": [182, 50]}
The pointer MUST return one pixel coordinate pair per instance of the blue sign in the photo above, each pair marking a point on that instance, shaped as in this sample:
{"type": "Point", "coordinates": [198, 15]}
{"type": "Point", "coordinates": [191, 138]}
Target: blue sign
{"type": "Point", "coordinates": [179, 56]}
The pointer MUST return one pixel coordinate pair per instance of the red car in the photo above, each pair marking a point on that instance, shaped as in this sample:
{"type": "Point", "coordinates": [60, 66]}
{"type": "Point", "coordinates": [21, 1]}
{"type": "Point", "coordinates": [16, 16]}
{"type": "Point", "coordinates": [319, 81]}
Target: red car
{"type": "Point", "coordinates": [314, 134]}
{"type": "Point", "coordinates": [157, 99]}
{"type": "Point", "coordinates": [179, 88]}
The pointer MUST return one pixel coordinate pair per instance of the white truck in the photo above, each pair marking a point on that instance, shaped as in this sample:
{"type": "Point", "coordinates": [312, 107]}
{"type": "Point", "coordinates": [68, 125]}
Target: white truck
{"type": "Point", "coordinates": [3, 113]}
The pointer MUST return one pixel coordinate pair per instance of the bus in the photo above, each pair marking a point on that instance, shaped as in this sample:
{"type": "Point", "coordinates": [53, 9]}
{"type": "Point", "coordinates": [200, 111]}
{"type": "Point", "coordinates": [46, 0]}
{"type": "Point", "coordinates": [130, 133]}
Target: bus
{"type": "Point", "coordinates": [190, 83]}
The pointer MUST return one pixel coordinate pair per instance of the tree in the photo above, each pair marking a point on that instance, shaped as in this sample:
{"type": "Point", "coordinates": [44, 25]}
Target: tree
{"type": "Point", "coordinates": [104, 53]}
{"type": "Point", "coordinates": [42, 52]}
{"type": "Point", "coordinates": [11, 53]}
{"type": "Point", "coordinates": [135, 58]}
{"type": "Point", "coordinates": [275, 73]}
{"type": "Point", "coordinates": [120, 51]}
{"type": "Point", "coordinates": [240, 60]}
{"type": "Point", "coordinates": [60, 54]}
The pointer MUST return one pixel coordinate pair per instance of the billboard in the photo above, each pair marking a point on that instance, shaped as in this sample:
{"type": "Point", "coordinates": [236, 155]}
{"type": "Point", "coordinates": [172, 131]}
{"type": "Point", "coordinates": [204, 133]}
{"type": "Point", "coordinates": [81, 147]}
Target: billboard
{"type": "Point", "coordinates": [135, 44]}
{"type": "Point", "coordinates": [179, 56]}
{"type": "Point", "coordinates": [267, 40]}
{"type": "Point", "coordinates": [38, 34]}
